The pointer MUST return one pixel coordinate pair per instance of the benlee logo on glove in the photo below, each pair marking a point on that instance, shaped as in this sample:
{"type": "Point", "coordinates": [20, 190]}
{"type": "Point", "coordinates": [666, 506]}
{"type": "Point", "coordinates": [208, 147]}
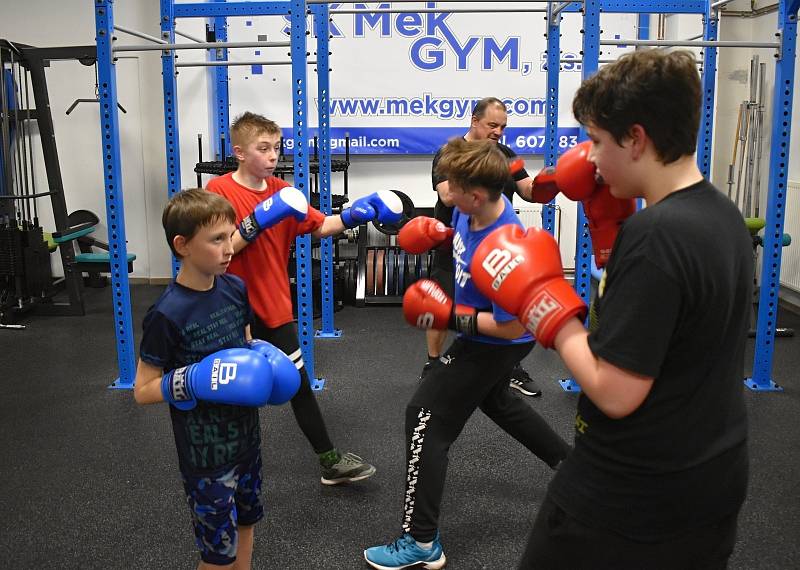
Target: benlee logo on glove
{"type": "Point", "coordinates": [499, 264]}
{"type": "Point", "coordinates": [178, 385]}
{"type": "Point", "coordinates": [436, 292]}
{"type": "Point", "coordinates": [542, 306]}
{"type": "Point", "coordinates": [222, 372]}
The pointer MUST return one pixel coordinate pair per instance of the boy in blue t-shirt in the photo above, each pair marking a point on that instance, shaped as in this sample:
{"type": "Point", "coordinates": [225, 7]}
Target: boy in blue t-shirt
{"type": "Point", "coordinates": [197, 333]}
{"type": "Point", "coordinates": [475, 368]}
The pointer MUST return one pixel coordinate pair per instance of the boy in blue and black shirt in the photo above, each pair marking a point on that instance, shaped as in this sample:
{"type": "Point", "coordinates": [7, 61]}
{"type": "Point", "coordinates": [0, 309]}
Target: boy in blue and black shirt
{"type": "Point", "coordinates": [476, 367]}
{"type": "Point", "coordinates": [196, 355]}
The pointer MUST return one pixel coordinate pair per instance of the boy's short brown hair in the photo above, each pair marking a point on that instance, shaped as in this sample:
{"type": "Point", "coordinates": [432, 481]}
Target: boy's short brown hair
{"type": "Point", "coordinates": [655, 89]}
{"type": "Point", "coordinates": [470, 164]}
{"type": "Point", "coordinates": [247, 126]}
{"type": "Point", "coordinates": [189, 210]}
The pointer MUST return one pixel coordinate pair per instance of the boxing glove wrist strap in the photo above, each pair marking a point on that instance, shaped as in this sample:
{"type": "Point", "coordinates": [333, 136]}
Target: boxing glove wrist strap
{"type": "Point", "coordinates": [464, 319]}
{"type": "Point", "coordinates": [249, 228]}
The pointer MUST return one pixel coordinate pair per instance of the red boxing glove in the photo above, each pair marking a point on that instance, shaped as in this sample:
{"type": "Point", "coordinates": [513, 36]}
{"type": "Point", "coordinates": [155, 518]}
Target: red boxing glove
{"type": "Point", "coordinates": [427, 306]}
{"type": "Point", "coordinates": [576, 177]}
{"type": "Point", "coordinates": [422, 233]}
{"type": "Point", "coordinates": [521, 271]}
{"type": "Point", "coordinates": [573, 175]}
{"type": "Point", "coordinates": [605, 215]}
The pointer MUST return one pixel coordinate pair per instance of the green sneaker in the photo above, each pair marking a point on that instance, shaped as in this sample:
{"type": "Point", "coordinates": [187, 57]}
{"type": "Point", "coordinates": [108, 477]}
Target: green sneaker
{"type": "Point", "coordinates": [349, 468]}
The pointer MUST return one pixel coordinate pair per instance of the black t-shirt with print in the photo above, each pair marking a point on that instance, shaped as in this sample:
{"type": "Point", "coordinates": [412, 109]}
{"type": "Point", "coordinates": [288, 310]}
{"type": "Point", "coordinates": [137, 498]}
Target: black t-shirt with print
{"type": "Point", "coordinates": [674, 305]}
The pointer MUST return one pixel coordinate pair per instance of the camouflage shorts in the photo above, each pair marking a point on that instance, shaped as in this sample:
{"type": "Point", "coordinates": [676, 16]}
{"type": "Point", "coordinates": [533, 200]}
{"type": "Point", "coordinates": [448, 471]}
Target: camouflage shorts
{"type": "Point", "coordinates": [221, 503]}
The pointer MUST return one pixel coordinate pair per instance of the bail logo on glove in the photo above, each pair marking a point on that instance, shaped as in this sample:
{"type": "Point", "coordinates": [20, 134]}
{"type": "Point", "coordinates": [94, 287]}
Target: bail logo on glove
{"type": "Point", "coordinates": [499, 264]}
{"type": "Point", "coordinates": [222, 373]}
{"type": "Point", "coordinates": [266, 204]}
{"type": "Point", "coordinates": [543, 306]}
{"type": "Point", "coordinates": [425, 320]}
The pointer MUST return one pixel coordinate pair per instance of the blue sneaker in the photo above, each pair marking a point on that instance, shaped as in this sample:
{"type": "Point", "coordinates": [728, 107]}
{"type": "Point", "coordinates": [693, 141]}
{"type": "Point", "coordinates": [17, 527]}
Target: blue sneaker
{"type": "Point", "coordinates": [404, 553]}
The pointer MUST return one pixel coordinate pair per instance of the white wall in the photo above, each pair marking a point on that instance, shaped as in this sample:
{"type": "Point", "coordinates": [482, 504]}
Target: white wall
{"type": "Point", "coordinates": [43, 23]}
{"type": "Point", "coordinates": [46, 23]}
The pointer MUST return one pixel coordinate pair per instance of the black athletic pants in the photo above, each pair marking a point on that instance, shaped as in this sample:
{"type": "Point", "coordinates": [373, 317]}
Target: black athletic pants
{"type": "Point", "coordinates": [560, 542]}
{"type": "Point", "coordinates": [304, 403]}
{"type": "Point", "coordinates": [473, 374]}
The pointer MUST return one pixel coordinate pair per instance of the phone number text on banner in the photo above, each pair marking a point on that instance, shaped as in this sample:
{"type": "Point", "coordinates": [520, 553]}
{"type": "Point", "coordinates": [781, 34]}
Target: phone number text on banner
{"type": "Point", "coordinates": [427, 140]}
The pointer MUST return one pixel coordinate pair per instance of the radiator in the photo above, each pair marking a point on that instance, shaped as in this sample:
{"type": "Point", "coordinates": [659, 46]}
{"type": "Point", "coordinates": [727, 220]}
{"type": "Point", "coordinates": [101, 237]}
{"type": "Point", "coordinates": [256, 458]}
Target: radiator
{"type": "Point", "coordinates": [531, 217]}
{"type": "Point", "coordinates": [790, 256]}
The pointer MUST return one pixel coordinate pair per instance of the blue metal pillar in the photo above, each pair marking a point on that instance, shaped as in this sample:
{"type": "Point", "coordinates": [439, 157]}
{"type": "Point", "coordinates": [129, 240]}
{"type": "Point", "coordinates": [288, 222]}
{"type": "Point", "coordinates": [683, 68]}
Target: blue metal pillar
{"type": "Point", "coordinates": [551, 121]}
{"type": "Point", "coordinates": [583, 241]}
{"type": "Point", "coordinates": [169, 79]}
{"type": "Point", "coordinates": [705, 138]}
{"type": "Point", "coordinates": [321, 13]}
{"type": "Point", "coordinates": [115, 208]}
{"type": "Point", "coordinates": [643, 32]}
{"type": "Point", "coordinates": [221, 125]}
{"type": "Point", "coordinates": [305, 305]}
{"type": "Point", "coordinates": [761, 379]}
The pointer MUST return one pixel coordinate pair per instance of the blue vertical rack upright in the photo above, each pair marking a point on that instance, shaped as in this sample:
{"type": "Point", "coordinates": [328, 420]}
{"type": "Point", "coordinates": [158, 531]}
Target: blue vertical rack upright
{"type": "Point", "coordinates": [172, 143]}
{"type": "Point", "coordinates": [553, 23]}
{"type": "Point", "coordinates": [110, 133]}
{"type": "Point", "coordinates": [115, 204]}
{"type": "Point", "coordinates": [705, 140]}
{"type": "Point", "coordinates": [321, 14]}
{"type": "Point", "coordinates": [583, 241]}
{"type": "Point", "coordinates": [220, 133]}
{"type": "Point", "coordinates": [761, 380]}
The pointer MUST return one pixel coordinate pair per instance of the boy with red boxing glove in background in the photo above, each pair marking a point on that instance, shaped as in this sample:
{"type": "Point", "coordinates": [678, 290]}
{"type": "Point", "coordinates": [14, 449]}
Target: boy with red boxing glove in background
{"type": "Point", "coordinates": [197, 355]}
{"type": "Point", "coordinates": [475, 368]}
{"type": "Point", "coordinates": [271, 215]}
{"type": "Point", "coordinates": [576, 177]}
{"type": "Point", "coordinates": [660, 465]}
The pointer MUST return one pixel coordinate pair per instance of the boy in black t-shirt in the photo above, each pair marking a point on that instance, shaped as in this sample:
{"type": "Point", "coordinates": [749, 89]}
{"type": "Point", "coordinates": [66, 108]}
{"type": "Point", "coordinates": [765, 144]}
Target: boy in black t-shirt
{"type": "Point", "coordinates": [198, 333]}
{"type": "Point", "coordinates": [659, 469]}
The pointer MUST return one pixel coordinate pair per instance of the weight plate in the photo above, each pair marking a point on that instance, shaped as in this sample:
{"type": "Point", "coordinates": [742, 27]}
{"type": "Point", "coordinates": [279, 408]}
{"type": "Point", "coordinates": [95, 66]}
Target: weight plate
{"type": "Point", "coordinates": [402, 270]}
{"type": "Point", "coordinates": [352, 270]}
{"type": "Point", "coordinates": [396, 270]}
{"type": "Point", "coordinates": [391, 275]}
{"type": "Point", "coordinates": [408, 213]}
{"type": "Point", "coordinates": [380, 272]}
{"type": "Point", "coordinates": [370, 290]}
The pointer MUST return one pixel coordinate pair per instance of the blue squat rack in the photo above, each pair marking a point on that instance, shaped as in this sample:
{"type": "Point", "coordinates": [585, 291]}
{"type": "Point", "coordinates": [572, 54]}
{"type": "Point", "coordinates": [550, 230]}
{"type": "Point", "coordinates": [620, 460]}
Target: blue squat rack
{"type": "Point", "coordinates": [217, 12]}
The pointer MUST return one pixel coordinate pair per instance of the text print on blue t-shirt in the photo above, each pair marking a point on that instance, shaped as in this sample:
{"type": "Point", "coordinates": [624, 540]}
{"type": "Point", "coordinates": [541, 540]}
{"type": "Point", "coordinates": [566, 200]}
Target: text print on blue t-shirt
{"type": "Point", "coordinates": [462, 275]}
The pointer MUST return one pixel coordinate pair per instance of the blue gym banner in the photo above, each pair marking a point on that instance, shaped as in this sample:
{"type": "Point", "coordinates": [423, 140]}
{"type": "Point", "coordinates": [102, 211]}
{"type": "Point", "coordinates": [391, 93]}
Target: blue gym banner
{"type": "Point", "coordinates": [427, 140]}
{"type": "Point", "coordinates": [404, 83]}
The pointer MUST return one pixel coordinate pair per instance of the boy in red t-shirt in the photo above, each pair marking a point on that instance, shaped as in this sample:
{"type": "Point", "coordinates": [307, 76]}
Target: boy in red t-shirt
{"type": "Point", "coordinates": [271, 215]}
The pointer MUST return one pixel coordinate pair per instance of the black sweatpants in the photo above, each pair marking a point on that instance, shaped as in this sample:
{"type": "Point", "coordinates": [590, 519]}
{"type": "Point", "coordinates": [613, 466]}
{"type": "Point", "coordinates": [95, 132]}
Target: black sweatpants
{"type": "Point", "coordinates": [304, 403]}
{"type": "Point", "coordinates": [473, 374]}
{"type": "Point", "coordinates": [560, 542]}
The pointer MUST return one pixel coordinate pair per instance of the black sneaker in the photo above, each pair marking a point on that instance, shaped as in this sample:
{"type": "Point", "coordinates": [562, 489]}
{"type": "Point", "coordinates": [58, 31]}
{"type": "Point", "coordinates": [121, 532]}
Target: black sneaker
{"type": "Point", "coordinates": [349, 468]}
{"type": "Point", "coordinates": [430, 365]}
{"type": "Point", "coordinates": [522, 381]}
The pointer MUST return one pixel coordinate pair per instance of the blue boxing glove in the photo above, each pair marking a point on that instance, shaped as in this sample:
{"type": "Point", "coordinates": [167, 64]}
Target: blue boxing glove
{"type": "Point", "coordinates": [287, 202]}
{"type": "Point", "coordinates": [383, 205]}
{"type": "Point", "coordinates": [285, 376]}
{"type": "Point", "coordinates": [236, 376]}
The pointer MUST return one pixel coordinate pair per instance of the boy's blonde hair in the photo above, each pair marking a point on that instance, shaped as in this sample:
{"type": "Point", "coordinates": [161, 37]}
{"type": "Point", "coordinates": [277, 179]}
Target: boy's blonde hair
{"type": "Point", "coordinates": [472, 164]}
{"type": "Point", "coordinates": [192, 209]}
{"type": "Point", "coordinates": [249, 126]}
